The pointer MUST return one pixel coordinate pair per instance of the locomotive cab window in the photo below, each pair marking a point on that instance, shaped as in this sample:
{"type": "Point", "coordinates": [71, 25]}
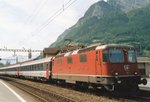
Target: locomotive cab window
{"type": "Point", "coordinates": [116, 56]}
{"type": "Point", "coordinates": [113, 56]}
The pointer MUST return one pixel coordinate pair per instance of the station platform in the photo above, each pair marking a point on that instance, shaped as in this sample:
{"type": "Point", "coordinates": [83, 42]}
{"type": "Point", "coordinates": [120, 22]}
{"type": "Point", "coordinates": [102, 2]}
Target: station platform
{"type": "Point", "coordinates": [7, 94]}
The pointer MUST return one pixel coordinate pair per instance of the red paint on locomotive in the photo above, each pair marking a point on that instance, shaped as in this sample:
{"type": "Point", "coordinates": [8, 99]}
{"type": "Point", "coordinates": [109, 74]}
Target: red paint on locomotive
{"type": "Point", "coordinates": [94, 64]}
{"type": "Point", "coordinates": [103, 65]}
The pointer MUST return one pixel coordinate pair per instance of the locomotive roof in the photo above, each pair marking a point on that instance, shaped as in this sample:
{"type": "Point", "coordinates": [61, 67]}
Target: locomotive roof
{"type": "Point", "coordinates": [114, 45]}
{"type": "Point", "coordinates": [94, 47]}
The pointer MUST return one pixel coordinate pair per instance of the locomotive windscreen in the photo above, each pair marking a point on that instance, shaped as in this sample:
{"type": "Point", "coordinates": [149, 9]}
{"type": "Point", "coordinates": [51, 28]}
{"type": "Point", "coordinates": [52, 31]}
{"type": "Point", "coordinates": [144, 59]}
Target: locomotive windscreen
{"type": "Point", "coordinates": [131, 56]}
{"type": "Point", "coordinates": [117, 56]}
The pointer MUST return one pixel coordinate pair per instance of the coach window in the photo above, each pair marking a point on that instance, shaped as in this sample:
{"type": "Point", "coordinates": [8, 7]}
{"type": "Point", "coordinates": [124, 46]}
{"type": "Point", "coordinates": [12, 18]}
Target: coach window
{"type": "Point", "coordinates": [32, 67]}
{"type": "Point", "coordinates": [69, 60]}
{"type": "Point", "coordinates": [25, 68]}
{"type": "Point", "coordinates": [83, 58]}
{"type": "Point", "coordinates": [28, 68]}
{"type": "Point", "coordinates": [44, 66]}
{"type": "Point", "coordinates": [36, 69]}
{"type": "Point", "coordinates": [41, 67]}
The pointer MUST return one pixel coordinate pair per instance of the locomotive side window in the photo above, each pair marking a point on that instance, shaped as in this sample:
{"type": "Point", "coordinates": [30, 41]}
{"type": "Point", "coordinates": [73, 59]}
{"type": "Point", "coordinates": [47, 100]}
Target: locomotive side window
{"type": "Point", "coordinates": [83, 58]}
{"type": "Point", "coordinates": [116, 56]}
{"type": "Point", "coordinates": [113, 55]}
{"type": "Point", "coordinates": [131, 56]}
{"type": "Point", "coordinates": [59, 61]}
{"type": "Point", "coordinates": [106, 56]}
{"type": "Point", "coordinates": [69, 60]}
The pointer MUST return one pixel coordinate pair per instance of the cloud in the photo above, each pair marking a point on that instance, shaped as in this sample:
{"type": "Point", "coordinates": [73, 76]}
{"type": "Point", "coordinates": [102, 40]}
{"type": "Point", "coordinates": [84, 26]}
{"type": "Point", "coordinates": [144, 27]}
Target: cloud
{"type": "Point", "coordinates": [21, 21]}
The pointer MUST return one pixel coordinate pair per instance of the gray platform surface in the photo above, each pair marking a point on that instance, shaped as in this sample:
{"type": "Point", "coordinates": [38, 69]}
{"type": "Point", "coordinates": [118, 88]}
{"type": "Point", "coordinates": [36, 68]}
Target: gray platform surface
{"type": "Point", "coordinates": [7, 94]}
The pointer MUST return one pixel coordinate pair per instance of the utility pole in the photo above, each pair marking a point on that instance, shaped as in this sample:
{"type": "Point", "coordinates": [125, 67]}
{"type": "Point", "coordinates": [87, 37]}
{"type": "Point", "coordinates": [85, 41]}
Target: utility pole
{"type": "Point", "coordinates": [29, 54]}
{"type": "Point", "coordinates": [21, 50]}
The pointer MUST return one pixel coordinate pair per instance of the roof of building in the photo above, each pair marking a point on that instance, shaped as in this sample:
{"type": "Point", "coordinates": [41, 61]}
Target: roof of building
{"type": "Point", "coordinates": [143, 59]}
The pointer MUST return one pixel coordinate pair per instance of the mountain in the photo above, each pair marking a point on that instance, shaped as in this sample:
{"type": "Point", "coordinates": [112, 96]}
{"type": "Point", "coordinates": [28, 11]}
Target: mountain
{"type": "Point", "coordinates": [128, 5]}
{"type": "Point", "coordinates": [114, 21]}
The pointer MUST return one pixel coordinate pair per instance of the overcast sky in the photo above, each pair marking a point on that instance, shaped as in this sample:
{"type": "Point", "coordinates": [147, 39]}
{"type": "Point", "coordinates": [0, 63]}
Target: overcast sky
{"type": "Point", "coordinates": [24, 23]}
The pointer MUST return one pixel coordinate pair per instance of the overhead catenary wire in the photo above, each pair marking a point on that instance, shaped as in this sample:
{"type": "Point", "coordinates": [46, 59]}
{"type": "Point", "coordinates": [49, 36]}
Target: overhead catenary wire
{"type": "Point", "coordinates": [50, 19]}
{"type": "Point", "coordinates": [30, 18]}
{"type": "Point", "coordinates": [35, 12]}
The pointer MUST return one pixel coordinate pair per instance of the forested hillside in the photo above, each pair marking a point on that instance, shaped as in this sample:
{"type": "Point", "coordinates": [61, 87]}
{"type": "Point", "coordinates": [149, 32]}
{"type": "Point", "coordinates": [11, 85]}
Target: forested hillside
{"type": "Point", "coordinates": [106, 23]}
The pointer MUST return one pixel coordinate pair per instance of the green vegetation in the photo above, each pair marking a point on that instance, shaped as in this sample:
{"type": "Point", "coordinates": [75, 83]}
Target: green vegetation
{"type": "Point", "coordinates": [113, 27]}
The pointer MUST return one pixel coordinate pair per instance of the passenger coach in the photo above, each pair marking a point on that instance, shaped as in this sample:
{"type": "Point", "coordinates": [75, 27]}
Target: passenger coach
{"type": "Point", "coordinates": [36, 69]}
{"type": "Point", "coordinates": [12, 70]}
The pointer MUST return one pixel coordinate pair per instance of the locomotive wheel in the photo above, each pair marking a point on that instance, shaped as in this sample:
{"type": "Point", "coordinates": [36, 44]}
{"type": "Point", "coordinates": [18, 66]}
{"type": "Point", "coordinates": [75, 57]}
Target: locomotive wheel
{"type": "Point", "coordinates": [109, 87]}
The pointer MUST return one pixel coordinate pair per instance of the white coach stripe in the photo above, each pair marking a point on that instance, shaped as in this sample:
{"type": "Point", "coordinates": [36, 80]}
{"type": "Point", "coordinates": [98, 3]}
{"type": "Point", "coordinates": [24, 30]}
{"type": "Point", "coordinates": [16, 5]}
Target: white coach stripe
{"type": "Point", "coordinates": [18, 96]}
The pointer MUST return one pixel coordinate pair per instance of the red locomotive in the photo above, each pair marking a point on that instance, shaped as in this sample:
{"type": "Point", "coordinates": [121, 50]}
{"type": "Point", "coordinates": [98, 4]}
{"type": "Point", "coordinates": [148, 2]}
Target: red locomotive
{"type": "Point", "coordinates": [107, 66]}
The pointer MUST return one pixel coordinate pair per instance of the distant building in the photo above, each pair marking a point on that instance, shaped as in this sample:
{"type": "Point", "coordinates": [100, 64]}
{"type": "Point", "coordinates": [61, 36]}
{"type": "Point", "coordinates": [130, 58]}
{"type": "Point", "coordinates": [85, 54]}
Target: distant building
{"type": "Point", "coordinates": [50, 52]}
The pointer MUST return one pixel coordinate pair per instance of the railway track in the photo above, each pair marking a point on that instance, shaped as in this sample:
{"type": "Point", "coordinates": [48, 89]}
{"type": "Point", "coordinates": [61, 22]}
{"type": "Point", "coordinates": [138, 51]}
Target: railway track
{"type": "Point", "coordinates": [40, 94]}
{"type": "Point", "coordinates": [45, 95]}
{"type": "Point", "coordinates": [145, 93]}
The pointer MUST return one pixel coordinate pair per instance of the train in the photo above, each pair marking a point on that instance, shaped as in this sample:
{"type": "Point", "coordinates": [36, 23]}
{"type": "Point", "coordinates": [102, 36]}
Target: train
{"type": "Point", "coordinates": [110, 66]}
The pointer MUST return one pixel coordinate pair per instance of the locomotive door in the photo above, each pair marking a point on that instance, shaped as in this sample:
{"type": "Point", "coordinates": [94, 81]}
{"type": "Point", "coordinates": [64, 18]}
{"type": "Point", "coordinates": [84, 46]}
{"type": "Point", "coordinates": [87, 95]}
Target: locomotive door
{"type": "Point", "coordinates": [98, 63]}
{"type": "Point", "coordinates": [47, 71]}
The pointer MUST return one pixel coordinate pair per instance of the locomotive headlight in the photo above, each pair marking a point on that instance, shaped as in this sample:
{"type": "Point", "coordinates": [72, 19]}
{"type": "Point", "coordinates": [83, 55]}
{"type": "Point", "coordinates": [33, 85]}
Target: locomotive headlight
{"type": "Point", "coordinates": [135, 73]}
{"type": "Point", "coordinates": [116, 73]}
{"type": "Point", "coordinates": [119, 81]}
